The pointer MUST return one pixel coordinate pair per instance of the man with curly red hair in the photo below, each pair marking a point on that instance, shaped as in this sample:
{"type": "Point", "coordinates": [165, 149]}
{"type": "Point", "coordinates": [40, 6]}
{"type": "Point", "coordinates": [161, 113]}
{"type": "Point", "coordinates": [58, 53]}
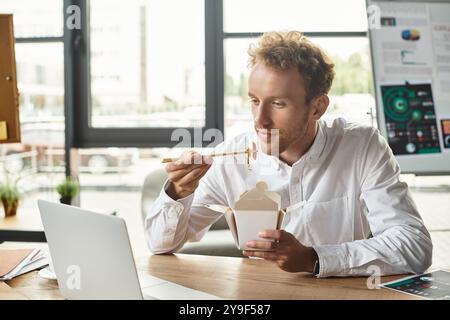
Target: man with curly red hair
{"type": "Point", "coordinates": [354, 211]}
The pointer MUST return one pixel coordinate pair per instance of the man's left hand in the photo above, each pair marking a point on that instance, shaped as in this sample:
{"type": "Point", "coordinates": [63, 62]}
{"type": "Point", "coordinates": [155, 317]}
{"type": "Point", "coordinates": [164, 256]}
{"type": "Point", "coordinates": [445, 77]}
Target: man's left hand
{"type": "Point", "coordinates": [286, 251]}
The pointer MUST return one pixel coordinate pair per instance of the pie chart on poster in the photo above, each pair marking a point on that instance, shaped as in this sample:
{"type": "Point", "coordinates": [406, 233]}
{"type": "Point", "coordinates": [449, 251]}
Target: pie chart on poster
{"type": "Point", "coordinates": [447, 141]}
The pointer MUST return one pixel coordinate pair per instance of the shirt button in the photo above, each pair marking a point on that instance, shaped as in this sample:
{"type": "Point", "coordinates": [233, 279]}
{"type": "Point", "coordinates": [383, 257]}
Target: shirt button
{"type": "Point", "coordinates": [296, 180]}
{"type": "Point", "coordinates": [173, 213]}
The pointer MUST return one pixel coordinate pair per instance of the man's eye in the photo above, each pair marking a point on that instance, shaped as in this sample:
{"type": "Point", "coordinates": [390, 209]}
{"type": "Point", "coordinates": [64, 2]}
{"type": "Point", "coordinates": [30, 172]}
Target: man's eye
{"type": "Point", "coordinates": [278, 104]}
{"type": "Point", "coordinates": [253, 101]}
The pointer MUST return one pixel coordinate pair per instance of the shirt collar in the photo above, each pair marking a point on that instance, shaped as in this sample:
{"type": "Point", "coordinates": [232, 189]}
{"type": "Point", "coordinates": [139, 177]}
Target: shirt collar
{"type": "Point", "coordinates": [316, 150]}
{"type": "Point", "coordinates": [318, 146]}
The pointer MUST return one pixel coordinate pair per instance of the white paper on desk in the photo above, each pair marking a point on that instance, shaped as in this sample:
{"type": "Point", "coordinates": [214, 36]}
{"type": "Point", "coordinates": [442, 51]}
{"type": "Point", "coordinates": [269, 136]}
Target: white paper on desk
{"type": "Point", "coordinates": [35, 264]}
{"type": "Point", "coordinates": [164, 290]}
{"type": "Point", "coordinates": [33, 261]}
{"type": "Point", "coordinates": [249, 223]}
{"type": "Point", "coordinates": [172, 291]}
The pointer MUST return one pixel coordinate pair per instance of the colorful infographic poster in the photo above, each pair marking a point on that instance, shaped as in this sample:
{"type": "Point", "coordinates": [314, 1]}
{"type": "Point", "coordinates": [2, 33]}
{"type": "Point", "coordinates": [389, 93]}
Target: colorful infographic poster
{"type": "Point", "coordinates": [434, 285]}
{"type": "Point", "coordinates": [410, 118]}
{"type": "Point", "coordinates": [445, 123]}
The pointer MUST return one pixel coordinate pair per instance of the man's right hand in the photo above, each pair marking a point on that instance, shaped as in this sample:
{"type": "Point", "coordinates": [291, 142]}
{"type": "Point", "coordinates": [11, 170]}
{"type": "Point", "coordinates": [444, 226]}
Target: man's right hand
{"type": "Point", "coordinates": [185, 173]}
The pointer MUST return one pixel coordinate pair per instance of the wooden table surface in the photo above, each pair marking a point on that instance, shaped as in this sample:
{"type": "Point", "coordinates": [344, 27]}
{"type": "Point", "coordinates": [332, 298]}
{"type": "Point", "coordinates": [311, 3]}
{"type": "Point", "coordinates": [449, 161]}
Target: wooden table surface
{"type": "Point", "coordinates": [241, 278]}
{"type": "Point", "coordinates": [25, 219]}
{"type": "Point", "coordinates": [226, 277]}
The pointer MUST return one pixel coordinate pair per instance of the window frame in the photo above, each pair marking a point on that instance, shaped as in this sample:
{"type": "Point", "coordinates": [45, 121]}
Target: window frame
{"type": "Point", "coordinates": [54, 39]}
{"type": "Point", "coordinates": [78, 79]}
{"type": "Point", "coordinates": [312, 34]}
{"type": "Point", "coordinates": [78, 133]}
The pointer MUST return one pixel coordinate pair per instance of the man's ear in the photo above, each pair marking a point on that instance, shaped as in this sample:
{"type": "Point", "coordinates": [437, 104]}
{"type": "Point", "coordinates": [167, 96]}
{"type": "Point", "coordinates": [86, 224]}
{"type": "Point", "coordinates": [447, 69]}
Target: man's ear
{"type": "Point", "coordinates": [319, 106]}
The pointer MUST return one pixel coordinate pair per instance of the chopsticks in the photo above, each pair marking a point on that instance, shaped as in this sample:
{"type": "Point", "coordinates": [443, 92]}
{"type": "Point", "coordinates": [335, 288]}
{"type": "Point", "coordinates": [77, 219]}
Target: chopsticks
{"type": "Point", "coordinates": [249, 152]}
{"type": "Point", "coordinates": [167, 160]}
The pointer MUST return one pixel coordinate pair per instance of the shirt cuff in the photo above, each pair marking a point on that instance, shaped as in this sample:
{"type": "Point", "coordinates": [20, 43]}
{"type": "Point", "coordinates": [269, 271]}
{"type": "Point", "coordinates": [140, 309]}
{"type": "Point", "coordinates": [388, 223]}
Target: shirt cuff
{"type": "Point", "coordinates": [166, 199]}
{"type": "Point", "coordinates": [173, 211]}
{"type": "Point", "coordinates": [333, 260]}
{"type": "Point", "coordinates": [174, 208]}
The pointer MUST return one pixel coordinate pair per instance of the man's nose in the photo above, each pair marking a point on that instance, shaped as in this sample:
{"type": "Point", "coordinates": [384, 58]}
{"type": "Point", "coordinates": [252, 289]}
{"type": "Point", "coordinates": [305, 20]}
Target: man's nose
{"type": "Point", "coordinates": [262, 116]}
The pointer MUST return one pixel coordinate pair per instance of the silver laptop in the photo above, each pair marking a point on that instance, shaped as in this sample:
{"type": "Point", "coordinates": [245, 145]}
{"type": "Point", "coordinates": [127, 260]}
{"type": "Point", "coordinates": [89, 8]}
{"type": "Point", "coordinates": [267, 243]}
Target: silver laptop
{"type": "Point", "coordinates": [92, 258]}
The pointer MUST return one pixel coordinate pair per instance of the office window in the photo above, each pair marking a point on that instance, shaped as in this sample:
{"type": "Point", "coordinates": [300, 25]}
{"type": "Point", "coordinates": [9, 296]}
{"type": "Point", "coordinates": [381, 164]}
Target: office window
{"type": "Point", "coordinates": [40, 68]}
{"type": "Point", "coordinates": [304, 15]}
{"type": "Point", "coordinates": [145, 70]}
{"type": "Point", "coordinates": [39, 159]}
{"type": "Point", "coordinates": [33, 18]}
{"type": "Point", "coordinates": [238, 117]}
{"type": "Point", "coordinates": [351, 95]}
{"type": "Point", "coordinates": [118, 168]}
{"type": "Point", "coordinates": [342, 35]}
{"type": "Point", "coordinates": [147, 63]}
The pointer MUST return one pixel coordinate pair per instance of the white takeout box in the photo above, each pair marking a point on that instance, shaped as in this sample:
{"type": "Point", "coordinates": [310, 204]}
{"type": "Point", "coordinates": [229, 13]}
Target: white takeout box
{"type": "Point", "coordinates": [256, 210]}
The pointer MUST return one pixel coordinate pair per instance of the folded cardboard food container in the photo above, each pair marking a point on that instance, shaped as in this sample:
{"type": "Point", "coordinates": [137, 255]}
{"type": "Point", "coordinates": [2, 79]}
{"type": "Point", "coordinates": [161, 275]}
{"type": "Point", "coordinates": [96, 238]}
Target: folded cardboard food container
{"type": "Point", "coordinates": [256, 210]}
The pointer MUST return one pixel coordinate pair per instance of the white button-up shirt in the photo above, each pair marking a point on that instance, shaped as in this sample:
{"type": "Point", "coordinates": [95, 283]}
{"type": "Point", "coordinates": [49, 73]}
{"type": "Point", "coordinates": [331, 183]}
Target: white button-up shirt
{"type": "Point", "coordinates": [356, 213]}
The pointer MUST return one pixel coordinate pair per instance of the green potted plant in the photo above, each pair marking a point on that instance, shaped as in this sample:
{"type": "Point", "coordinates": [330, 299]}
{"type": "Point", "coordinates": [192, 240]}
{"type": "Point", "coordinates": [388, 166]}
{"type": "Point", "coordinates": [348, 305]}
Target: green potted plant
{"type": "Point", "coordinates": [67, 189]}
{"type": "Point", "coordinates": [10, 196]}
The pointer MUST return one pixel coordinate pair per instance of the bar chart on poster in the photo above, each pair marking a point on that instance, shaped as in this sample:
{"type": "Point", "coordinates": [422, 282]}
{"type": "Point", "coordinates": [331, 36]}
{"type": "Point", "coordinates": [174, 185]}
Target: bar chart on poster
{"type": "Point", "coordinates": [410, 46]}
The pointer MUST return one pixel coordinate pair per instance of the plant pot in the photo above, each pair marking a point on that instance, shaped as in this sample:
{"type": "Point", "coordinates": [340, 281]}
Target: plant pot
{"type": "Point", "coordinates": [66, 200]}
{"type": "Point", "coordinates": [13, 210]}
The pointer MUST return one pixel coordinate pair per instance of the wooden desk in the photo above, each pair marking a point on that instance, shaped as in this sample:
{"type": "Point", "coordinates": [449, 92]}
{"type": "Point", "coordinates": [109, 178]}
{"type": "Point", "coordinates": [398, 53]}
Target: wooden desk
{"type": "Point", "coordinates": [25, 219]}
{"type": "Point", "coordinates": [26, 225]}
{"type": "Point", "coordinates": [8, 293]}
{"type": "Point", "coordinates": [229, 278]}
